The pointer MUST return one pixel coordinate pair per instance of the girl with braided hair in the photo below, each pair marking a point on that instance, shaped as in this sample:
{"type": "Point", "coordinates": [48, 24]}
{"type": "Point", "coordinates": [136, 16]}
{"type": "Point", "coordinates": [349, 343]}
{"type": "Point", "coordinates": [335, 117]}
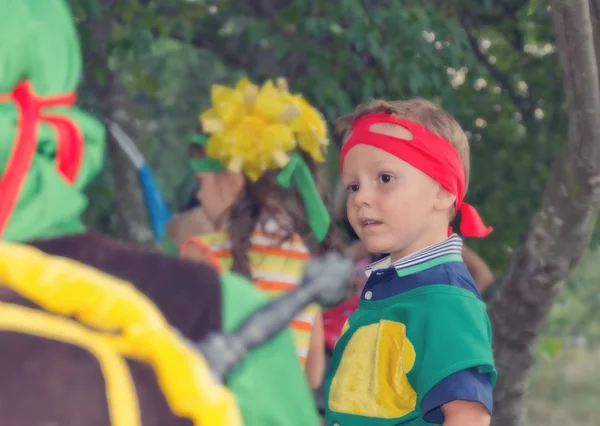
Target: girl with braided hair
{"type": "Point", "coordinates": [263, 194]}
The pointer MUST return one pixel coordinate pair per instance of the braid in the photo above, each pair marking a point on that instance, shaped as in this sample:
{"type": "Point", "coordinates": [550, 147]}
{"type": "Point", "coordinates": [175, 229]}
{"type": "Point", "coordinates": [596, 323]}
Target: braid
{"type": "Point", "coordinates": [244, 216]}
{"type": "Point", "coordinates": [332, 242]}
{"type": "Point", "coordinates": [265, 200]}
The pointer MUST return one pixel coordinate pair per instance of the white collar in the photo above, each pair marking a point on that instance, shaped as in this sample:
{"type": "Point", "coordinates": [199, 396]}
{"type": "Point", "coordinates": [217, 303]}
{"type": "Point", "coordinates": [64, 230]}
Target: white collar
{"type": "Point", "coordinates": [451, 245]}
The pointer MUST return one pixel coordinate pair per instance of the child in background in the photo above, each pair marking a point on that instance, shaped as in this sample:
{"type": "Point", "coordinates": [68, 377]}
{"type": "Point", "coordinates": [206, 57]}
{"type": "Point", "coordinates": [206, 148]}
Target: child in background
{"type": "Point", "coordinates": [261, 141]}
{"type": "Point", "coordinates": [183, 226]}
{"type": "Point", "coordinates": [417, 350]}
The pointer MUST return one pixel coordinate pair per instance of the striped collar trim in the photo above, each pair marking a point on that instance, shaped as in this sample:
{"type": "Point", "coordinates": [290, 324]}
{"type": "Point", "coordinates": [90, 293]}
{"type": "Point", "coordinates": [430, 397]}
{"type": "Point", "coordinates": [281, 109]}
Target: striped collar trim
{"type": "Point", "coordinates": [452, 245]}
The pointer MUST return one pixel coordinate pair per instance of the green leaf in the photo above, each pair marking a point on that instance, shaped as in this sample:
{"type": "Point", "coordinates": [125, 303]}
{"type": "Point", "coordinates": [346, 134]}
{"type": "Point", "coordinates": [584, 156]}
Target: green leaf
{"type": "Point", "coordinates": [550, 346]}
{"type": "Point", "coordinates": [533, 4]}
{"type": "Point", "coordinates": [335, 28]}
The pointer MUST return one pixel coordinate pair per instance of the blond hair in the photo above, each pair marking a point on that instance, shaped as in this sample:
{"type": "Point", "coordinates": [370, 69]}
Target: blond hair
{"type": "Point", "coordinates": [421, 111]}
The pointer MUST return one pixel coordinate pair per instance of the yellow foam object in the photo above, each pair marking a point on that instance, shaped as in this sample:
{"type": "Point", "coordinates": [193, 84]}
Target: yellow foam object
{"type": "Point", "coordinates": [120, 390]}
{"type": "Point", "coordinates": [249, 126]}
{"type": "Point", "coordinates": [135, 328]}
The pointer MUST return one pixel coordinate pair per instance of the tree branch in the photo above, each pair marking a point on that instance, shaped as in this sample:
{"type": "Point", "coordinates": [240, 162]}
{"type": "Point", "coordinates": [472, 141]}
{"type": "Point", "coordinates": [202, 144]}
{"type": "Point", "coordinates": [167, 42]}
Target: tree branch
{"type": "Point", "coordinates": [267, 9]}
{"type": "Point", "coordinates": [561, 230]}
{"type": "Point", "coordinates": [595, 18]}
{"type": "Point", "coordinates": [517, 39]}
{"type": "Point", "coordinates": [502, 10]}
{"type": "Point", "coordinates": [232, 51]}
{"type": "Point", "coordinates": [523, 105]}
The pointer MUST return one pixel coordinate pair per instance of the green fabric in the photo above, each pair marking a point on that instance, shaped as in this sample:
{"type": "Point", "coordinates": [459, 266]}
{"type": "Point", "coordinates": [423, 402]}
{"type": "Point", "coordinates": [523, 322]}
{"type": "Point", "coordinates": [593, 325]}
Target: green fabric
{"type": "Point", "coordinates": [270, 385]}
{"type": "Point", "coordinates": [318, 216]}
{"type": "Point", "coordinates": [40, 44]}
{"type": "Point", "coordinates": [449, 330]}
{"type": "Point", "coordinates": [168, 246]}
{"type": "Point", "coordinates": [198, 139]}
{"type": "Point", "coordinates": [206, 164]}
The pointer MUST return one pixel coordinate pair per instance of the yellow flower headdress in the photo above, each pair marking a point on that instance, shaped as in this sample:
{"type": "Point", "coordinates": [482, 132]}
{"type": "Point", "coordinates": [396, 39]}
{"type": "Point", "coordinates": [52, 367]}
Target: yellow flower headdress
{"type": "Point", "coordinates": [253, 130]}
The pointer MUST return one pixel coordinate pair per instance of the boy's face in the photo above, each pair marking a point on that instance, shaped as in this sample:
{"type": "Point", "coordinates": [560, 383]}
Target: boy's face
{"type": "Point", "coordinates": [392, 206]}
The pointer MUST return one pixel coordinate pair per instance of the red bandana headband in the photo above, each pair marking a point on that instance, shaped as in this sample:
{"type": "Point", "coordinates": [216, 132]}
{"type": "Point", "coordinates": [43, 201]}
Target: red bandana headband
{"type": "Point", "coordinates": [428, 152]}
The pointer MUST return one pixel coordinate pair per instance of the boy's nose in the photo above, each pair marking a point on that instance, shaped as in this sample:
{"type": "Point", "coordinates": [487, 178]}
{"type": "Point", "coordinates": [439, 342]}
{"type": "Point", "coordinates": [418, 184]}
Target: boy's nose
{"type": "Point", "coordinates": [362, 197]}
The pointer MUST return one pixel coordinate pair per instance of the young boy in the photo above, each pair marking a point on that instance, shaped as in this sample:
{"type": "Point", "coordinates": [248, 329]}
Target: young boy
{"type": "Point", "coordinates": [417, 350]}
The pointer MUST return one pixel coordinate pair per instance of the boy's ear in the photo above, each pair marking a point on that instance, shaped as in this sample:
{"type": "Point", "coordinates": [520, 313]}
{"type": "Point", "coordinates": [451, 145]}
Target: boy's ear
{"type": "Point", "coordinates": [444, 200]}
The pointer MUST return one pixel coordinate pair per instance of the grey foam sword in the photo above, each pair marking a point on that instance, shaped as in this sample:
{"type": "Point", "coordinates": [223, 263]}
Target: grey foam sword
{"type": "Point", "coordinates": [325, 280]}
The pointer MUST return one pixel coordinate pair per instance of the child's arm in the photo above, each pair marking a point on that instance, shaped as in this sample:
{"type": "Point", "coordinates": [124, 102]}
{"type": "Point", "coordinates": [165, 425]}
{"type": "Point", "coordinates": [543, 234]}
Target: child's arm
{"type": "Point", "coordinates": [463, 387]}
{"type": "Point", "coordinates": [465, 413]}
{"type": "Point", "coordinates": [315, 359]}
{"type": "Point", "coordinates": [482, 275]}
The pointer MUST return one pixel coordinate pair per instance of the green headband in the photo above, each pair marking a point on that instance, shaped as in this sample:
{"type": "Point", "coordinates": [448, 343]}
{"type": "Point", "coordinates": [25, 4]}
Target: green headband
{"type": "Point", "coordinates": [296, 169]}
{"type": "Point", "coordinates": [205, 164]}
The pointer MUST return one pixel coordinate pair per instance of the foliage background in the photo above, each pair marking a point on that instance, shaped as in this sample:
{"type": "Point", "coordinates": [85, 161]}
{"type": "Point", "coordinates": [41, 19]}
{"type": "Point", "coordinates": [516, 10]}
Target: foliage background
{"type": "Point", "coordinates": [496, 71]}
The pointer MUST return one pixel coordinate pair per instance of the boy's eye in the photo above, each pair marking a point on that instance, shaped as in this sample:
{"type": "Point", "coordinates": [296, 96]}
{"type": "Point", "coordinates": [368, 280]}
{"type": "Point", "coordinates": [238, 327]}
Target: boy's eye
{"type": "Point", "coordinates": [352, 188]}
{"type": "Point", "coordinates": [385, 178]}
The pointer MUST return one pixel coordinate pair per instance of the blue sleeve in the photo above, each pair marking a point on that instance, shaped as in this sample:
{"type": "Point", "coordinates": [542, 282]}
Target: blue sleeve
{"type": "Point", "coordinates": [465, 385]}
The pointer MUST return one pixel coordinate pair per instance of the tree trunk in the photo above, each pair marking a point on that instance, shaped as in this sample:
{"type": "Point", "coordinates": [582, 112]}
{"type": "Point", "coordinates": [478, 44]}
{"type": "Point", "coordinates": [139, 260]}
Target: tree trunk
{"type": "Point", "coordinates": [129, 220]}
{"type": "Point", "coordinates": [561, 230]}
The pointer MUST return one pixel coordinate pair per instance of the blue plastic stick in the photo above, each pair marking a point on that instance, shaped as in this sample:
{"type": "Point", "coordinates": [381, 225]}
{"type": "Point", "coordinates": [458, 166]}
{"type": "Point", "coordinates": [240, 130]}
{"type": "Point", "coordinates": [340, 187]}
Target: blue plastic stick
{"type": "Point", "coordinates": [158, 209]}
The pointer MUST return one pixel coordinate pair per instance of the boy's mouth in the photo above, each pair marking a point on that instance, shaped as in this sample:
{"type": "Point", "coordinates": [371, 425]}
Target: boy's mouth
{"type": "Point", "coordinates": [366, 223]}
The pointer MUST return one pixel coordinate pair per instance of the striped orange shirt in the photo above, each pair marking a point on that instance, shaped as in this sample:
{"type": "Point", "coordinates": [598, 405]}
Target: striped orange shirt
{"type": "Point", "coordinates": [277, 267]}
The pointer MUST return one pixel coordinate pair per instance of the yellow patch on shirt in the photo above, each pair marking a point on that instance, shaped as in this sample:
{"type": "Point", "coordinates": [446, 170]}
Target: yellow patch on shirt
{"type": "Point", "coordinates": [371, 378]}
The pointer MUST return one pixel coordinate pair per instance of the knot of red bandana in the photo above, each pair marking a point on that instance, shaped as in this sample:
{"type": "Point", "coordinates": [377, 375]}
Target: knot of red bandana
{"type": "Point", "coordinates": [69, 150]}
{"type": "Point", "coordinates": [428, 152]}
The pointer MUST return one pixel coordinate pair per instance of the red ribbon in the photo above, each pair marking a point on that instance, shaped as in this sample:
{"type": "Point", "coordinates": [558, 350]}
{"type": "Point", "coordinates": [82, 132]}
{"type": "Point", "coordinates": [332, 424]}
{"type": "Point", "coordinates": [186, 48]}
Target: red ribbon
{"type": "Point", "coordinates": [428, 152]}
{"type": "Point", "coordinates": [69, 150]}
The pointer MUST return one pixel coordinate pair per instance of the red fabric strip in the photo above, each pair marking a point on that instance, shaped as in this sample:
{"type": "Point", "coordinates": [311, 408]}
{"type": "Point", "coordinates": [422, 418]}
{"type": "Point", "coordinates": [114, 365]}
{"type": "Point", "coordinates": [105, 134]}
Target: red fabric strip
{"type": "Point", "coordinates": [70, 149]}
{"type": "Point", "coordinates": [30, 111]}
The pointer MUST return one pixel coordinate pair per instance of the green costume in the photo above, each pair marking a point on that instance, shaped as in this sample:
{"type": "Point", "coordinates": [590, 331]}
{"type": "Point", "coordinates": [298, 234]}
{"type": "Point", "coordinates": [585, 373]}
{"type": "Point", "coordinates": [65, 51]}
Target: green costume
{"type": "Point", "coordinates": [270, 385]}
{"type": "Point", "coordinates": [46, 53]}
{"type": "Point", "coordinates": [50, 151]}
